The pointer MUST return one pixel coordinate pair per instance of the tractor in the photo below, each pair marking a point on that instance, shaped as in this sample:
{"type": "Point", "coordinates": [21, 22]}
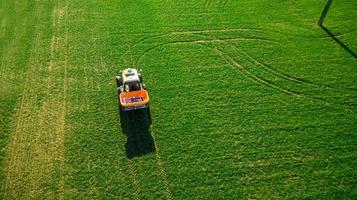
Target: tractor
{"type": "Point", "coordinates": [132, 93]}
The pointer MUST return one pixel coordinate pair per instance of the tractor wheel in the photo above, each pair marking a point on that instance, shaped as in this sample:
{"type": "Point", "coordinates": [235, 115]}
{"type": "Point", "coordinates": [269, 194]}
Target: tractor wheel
{"type": "Point", "coordinates": [118, 93]}
{"type": "Point", "coordinates": [119, 81]}
{"type": "Point", "coordinates": [144, 87]}
{"type": "Point", "coordinates": [140, 78]}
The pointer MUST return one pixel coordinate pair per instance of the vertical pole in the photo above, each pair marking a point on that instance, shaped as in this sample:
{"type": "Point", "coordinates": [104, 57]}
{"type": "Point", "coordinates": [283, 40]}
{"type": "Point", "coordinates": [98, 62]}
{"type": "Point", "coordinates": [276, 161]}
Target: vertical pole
{"type": "Point", "coordinates": [324, 12]}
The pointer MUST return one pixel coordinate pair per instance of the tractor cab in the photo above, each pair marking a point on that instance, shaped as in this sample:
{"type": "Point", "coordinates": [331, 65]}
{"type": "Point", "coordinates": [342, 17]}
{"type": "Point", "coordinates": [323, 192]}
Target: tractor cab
{"type": "Point", "coordinates": [131, 91]}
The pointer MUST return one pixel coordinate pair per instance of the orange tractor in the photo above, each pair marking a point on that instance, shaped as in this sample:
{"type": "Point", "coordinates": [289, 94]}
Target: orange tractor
{"type": "Point", "coordinates": [132, 93]}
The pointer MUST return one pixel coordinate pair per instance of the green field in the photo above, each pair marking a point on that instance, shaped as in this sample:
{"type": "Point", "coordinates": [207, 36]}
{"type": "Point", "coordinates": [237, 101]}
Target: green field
{"type": "Point", "coordinates": [250, 99]}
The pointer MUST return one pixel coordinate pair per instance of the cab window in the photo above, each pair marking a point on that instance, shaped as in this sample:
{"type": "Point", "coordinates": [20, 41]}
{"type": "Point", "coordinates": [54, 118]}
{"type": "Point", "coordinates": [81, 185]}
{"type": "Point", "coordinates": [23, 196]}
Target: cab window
{"type": "Point", "coordinates": [133, 86]}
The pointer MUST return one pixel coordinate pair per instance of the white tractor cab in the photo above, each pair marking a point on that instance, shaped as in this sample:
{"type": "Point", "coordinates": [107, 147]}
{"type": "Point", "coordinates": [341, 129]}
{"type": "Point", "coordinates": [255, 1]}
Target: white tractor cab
{"type": "Point", "coordinates": [132, 93]}
{"type": "Point", "coordinates": [129, 80]}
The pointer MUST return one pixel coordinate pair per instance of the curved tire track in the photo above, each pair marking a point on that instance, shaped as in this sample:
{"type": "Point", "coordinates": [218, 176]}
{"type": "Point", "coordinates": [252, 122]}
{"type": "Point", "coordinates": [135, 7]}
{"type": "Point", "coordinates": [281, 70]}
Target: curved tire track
{"type": "Point", "coordinates": [198, 42]}
{"type": "Point", "coordinates": [233, 62]}
{"type": "Point", "coordinates": [251, 75]}
{"type": "Point", "coordinates": [183, 32]}
{"type": "Point", "coordinates": [272, 70]}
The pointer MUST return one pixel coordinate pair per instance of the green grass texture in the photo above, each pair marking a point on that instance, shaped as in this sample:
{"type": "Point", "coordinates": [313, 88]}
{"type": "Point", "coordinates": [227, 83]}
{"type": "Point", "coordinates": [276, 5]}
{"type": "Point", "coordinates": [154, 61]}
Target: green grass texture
{"type": "Point", "coordinates": [250, 99]}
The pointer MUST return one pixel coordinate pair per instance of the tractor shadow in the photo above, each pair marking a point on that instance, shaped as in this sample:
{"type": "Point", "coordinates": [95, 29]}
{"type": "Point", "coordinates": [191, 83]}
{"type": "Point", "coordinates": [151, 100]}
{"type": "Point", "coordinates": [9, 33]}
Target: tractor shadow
{"type": "Point", "coordinates": [136, 127]}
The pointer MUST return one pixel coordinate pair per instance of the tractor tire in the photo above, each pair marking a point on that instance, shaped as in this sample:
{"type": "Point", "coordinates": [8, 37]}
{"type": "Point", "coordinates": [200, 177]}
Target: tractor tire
{"type": "Point", "coordinates": [119, 81]}
{"type": "Point", "coordinates": [140, 78]}
{"type": "Point", "coordinates": [118, 93]}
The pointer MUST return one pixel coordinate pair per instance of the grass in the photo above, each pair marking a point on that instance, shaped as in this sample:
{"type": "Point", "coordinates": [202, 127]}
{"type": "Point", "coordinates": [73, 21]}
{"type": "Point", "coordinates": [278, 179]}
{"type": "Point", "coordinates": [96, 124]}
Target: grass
{"type": "Point", "coordinates": [249, 100]}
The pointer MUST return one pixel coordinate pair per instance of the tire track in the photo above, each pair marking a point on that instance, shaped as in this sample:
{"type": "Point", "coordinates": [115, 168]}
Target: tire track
{"type": "Point", "coordinates": [7, 59]}
{"type": "Point", "coordinates": [281, 75]}
{"type": "Point", "coordinates": [198, 42]}
{"type": "Point", "coordinates": [134, 180]}
{"type": "Point", "coordinates": [245, 71]}
{"type": "Point", "coordinates": [50, 135]}
{"type": "Point", "coordinates": [252, 60]}
{"type": "Point", "coordinates": [250, 75]}
{"type": "Point", "coordinates": [261, 80]}
{"type": "Point", "coordinates": [183, 32]}
{"type": "Point", "coordinates": [179, 31]}
{"type": "Point", "coordinates": [14, 168]}
{"type": "Point", "coordinates": [292, 35]}
{"type": "Point", "coordinates": [36, 149]}
{"type": "Point", "coordinates": [226, 40]}
{"type": "Point", "coordinates": [161, 166]}
{"type": "Point", "coordinates": [269, 69]}
{"type": "Point", "coordinates": [12, 160]}
{"type": "Point", "coordinates": [272, 70]}
{"type": "Point", "coordinates": [64, 106]}
{"type": "Point", "coordinates": [85, 99]}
